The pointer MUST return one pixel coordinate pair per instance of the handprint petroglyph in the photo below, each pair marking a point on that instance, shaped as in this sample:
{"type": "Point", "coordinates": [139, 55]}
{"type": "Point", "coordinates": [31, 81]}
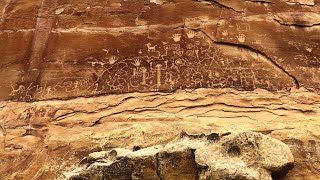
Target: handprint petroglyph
{"type": "Point", "coordinates": [113, 60]}
{"type": "Point", "coordinates": [225, 33]}
{"type": "Point", "coordinates": [176, 37]}
{"type": "Point", "coordinates": [241, 38]}
{"type": "Point", "coordinates": [191, 34]}
{"type": "Point", "coordinates": [137, 62]}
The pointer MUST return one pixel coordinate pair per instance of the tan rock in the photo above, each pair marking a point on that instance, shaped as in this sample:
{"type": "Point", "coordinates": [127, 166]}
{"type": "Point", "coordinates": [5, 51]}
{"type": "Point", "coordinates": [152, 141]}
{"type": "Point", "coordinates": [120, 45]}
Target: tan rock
{"type": "Point", "coordinates": [244, 156]}
{"type": "Point", "coordinates": [79, 77]}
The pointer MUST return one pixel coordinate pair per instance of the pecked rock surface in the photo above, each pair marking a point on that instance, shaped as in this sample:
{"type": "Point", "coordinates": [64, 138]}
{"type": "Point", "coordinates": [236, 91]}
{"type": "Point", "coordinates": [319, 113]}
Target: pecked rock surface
{"type": "Point", "coordinates": [245, 156]}
{"type": "Point", "coordinates": [44, 139]}
{"type": "Point", "coordinates": [53, 49]}
{"type": "Point", "coordinates": [84, 76]}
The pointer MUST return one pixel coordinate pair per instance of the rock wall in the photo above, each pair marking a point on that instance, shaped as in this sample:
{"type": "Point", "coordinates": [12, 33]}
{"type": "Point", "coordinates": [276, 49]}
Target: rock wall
{"type": "Point", "coordinates": [187, 158]}
{"type": "Point", "coordinates": [65, 48]}
{"type": "Point", "coordinates": [82, 77]}
{"type": "Point", "coordinates": [44, 139]}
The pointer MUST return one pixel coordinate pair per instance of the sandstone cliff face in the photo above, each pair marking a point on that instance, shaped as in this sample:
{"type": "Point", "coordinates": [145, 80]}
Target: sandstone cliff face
{"type": "Point", "coordinates": [43, 140]}
{"type": "Point", "coordinates": [87, 76]}
{"type": "Point", "coordinates": [65, 48]}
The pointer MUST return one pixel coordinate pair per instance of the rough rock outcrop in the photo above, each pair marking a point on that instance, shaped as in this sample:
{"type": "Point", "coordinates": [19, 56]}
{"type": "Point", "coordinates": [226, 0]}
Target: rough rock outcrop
{"type": "Point", "coordinates": [240, 156]}
{"type": "Point", "coordinates": [41, 140]}
{"type": "Point", "coordinates": [83, 76]}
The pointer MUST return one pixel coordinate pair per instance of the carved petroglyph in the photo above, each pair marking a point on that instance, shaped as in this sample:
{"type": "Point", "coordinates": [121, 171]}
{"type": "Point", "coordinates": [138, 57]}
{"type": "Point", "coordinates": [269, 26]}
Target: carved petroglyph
{"type": "Point", "coordinates": [191, 34]}
{"type": "Point", "coordinates": [113, 59]}
{"type": "Point", "coordinates": [225, 33]}
{"type": "Point", "coordinates": [241, 38]}
{"type": "Point", "coordinates": [151, 48]}
{"type": "Point", "coordinates": [17, 91]}
{"type": "Point", "coordinates": [183, 59]}
{"type": "Point", "coordinates": [176, 37]}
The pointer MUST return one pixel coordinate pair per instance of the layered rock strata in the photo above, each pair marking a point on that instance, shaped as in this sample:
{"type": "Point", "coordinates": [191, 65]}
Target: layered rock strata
{"type": "Point", "coordinates": [41, 140]}
{"type": "Point", "coordinates": [83, 76]}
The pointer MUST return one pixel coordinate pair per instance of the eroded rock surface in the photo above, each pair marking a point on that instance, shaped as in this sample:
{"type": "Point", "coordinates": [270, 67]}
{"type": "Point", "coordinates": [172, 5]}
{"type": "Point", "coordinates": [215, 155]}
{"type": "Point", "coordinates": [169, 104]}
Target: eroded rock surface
{"type": "Point", "coordinates": [41, 140]}
{"type": "Point", "coordinates": [82, 76]}
{"type": "Point", "coordinates": [241, 156]}
{"type": "Point", "coordinates": [65, 48]}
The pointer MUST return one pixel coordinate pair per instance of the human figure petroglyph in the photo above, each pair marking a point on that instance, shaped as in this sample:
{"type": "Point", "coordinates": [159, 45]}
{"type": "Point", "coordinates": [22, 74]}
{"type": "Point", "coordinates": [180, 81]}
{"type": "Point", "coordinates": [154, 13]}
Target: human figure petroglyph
{"type": "Point", "coordinates": [169, 80]}
{"type": "Point", "coordinates": [96, 90]}
{"type": "Point", "coordinates": [193, 61]}
{"type": "Point", "coordinates": [158, 66]}
{"type": "Point", "coordinates": [144, 75]}
{"type": "Point", "coordinates": [254, 79]}
{"type": "Point", "coordinates": [48, 91]}
{"type": "Point", "coordinates": [158, 71]}
{"type": "Point", "coordinates": [197, 78]}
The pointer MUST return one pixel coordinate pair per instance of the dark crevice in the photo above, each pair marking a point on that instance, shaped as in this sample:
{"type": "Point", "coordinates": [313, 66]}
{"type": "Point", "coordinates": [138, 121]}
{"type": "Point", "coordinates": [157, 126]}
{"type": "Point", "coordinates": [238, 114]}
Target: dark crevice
{"type": "Point", "coordinates": [221, 5]}
{"type": "Point", "coordinates": [158, 171]}
{"type": "Point", "coordinates": [283, 171]}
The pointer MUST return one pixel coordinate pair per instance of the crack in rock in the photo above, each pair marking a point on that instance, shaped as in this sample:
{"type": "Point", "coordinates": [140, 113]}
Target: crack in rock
{"type": "Point", "coordinates": [249, 48]}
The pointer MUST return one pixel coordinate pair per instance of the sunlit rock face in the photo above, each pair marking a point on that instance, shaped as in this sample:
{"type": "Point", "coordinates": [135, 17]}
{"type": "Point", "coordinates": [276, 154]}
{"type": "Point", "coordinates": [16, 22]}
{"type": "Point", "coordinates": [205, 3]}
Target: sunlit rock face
{"type": "Point", "coordinates": [84, 77]}
{"type": "Point", "coordinates": [65, 48]}
{"type": "Point", "coordinates": [46, 139]}
{"type": "Point", "coordinates": [199, 156]}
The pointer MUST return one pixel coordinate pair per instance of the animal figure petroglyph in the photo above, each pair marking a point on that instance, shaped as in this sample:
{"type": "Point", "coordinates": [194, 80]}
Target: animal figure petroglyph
{"type": "Point", "coordinates": [20, 90]}
{"type": "Point", "coordinates": [151, 48]}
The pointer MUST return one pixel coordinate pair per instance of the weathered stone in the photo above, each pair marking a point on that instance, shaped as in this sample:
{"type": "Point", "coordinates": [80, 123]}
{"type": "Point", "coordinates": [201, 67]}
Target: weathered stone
{"type": "Point", "coordinates": [132, 74]}
{"type": "Point", "coordinates": [245, 156]}
{"type": "Point", "coordinates": [42, 139]}
{"type": "Point", "coordinates": [65, 48]}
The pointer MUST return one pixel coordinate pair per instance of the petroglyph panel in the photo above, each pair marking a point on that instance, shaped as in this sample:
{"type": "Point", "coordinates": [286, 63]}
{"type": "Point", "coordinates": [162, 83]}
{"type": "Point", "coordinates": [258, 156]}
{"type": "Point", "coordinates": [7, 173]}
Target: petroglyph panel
{"type": "Point", "coordinates": [69, 48]}
{"type": "Point", "coordinates": [183, 59]}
